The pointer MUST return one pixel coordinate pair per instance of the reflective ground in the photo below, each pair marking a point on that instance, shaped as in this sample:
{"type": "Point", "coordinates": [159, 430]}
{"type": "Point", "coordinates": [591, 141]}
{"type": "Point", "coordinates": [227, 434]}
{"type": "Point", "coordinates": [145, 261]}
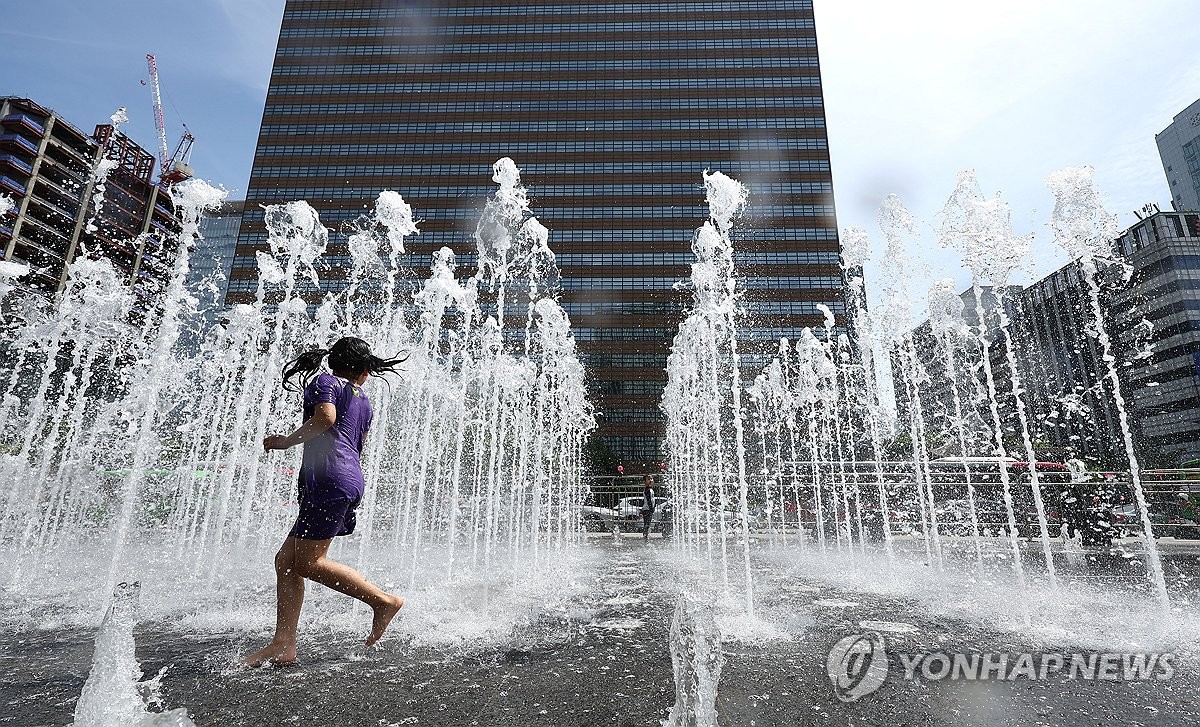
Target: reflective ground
{"type": "Point", "coordinates": [602, 658]}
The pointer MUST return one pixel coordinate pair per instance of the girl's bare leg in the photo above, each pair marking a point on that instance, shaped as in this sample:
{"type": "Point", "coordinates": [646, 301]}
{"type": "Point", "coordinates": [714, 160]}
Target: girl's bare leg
{"type": "Point", "coordinates": [289, 593]}
{"type": "Point", "coordinates": [311, 563]}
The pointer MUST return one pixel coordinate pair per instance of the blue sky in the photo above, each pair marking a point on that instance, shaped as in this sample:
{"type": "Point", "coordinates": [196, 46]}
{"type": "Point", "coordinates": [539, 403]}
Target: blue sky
{"type": "Point", "coordinates": [915, 92]}
{"type": "Point", "coordinates": [85, 59]}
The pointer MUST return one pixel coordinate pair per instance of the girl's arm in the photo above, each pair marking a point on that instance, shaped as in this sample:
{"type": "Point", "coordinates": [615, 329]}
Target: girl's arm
{"type": "Point", "coordinates": [324, 415]}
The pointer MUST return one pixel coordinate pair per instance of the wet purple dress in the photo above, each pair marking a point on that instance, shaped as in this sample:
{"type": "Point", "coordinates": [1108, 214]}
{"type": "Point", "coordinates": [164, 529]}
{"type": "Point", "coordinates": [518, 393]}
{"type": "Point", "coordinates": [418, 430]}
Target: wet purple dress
{"type": "Point", "coordinates": [331, 479]}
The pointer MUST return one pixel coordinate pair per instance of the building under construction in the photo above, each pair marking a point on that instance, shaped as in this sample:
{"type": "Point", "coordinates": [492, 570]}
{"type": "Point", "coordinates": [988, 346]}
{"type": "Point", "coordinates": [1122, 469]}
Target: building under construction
{"type": "Point", "coordinates": [47, 168]}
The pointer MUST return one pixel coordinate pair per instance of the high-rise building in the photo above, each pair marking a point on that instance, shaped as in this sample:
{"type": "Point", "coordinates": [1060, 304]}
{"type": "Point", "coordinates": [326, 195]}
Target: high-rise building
{"type": "Point", "coordinates": [1179, 148]}
{"type": "Point", "coordinates": [47, 168]}
{"type": "Point", "coordinates": [210, 262]}
{"type": "Point", "coordinates": [212, 257]}
{"type": "Point", "coordinates": [1158, 324]}
{"type": "Point", "coordinates": [612, 109]}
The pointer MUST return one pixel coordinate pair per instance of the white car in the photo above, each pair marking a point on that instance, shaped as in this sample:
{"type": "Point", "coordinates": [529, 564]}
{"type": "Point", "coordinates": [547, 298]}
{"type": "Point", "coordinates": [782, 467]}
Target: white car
{"type": "Point", "coordinates": [627, 514]}
{"type": "Point", "coordinates": [596, 519]}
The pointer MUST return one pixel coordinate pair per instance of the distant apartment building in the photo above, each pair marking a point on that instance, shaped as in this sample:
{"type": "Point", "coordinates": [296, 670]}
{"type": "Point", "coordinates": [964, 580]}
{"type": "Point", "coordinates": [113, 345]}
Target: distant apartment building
{"type": "Point", "coordinates": [47, 168]}
{"type": "Point", "coordinates": [613, 110]}
{"type": "Point", "coordinates": [1179, 148]}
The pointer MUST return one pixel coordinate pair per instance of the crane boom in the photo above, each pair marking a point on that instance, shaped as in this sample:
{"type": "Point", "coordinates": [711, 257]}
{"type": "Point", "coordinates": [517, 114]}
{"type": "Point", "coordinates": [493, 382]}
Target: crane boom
{"type": "Point", "coordinates": [159, 124]}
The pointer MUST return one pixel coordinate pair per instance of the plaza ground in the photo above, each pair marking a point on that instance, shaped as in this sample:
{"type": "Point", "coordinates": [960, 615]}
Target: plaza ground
{"type": "Point", "coordinates": [605, 662]}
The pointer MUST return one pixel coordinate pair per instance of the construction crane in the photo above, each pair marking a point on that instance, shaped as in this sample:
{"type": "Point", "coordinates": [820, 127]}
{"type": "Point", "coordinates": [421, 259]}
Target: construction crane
{"type": "Point", "coordinates": [174, 168]}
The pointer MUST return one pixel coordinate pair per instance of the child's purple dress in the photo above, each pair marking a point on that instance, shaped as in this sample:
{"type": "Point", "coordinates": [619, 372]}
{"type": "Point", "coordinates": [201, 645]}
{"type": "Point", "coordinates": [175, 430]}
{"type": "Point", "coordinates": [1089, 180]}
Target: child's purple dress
{"type": "Point", "coordinates": [331, 479]}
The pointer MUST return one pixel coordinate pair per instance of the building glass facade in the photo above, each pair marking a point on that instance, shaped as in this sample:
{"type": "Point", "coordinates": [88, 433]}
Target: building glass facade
{"type": "Point", "coordinates": [1158, 319]}
{"type": "Point", "coordinates": [612, 110]}
{"type": "Point", "coordinates": [1153, 319]}
{"type": "Point", "coordinates": [210, 261]}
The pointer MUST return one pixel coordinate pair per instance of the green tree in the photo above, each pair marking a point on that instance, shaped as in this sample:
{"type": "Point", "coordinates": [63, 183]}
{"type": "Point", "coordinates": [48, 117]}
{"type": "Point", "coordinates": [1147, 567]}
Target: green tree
{"type": "Point", "coordinates": [599, 458]}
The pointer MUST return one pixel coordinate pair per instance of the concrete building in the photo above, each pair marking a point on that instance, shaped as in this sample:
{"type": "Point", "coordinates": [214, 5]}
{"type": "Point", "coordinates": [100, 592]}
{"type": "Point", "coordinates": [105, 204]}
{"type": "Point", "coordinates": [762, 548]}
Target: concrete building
{"type": "Point", "coordinates": [1158, 320]}
{"type": "Point", "coordinates": [1071, 404]}
{"type": "Point", "coordinates": [953, 403]}
{"type": "Point", "coordinates": [46, 167]}
{"type": "Point", "coordinates": [1179, 148]}
{"type": "Point", "coordinates": [612, 110]}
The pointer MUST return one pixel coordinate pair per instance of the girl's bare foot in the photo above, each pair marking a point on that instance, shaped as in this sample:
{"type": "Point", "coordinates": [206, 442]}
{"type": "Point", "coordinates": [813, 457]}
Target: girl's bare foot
{"type": "Point", "coordinates": [278, 654]}
{"type": "Point", "coordinates": [383, 616]}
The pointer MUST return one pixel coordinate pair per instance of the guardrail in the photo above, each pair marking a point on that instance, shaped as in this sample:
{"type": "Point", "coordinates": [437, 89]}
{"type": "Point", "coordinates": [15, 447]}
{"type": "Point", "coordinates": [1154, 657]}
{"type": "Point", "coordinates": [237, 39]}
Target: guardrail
{"type": "Point", "coordinates": [787, 498]}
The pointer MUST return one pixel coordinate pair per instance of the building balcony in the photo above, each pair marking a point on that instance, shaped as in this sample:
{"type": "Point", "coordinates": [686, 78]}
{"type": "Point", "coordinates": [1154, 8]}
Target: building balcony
{"type": "Point", "coordinates": [58, 239]}
{"type": "Point", "coordinates": [12, 185]}
{"type": "Point", "coordinates": [36, 201]}
{"type": "Point", "coordinates": [56, 195]}
{"type": "Point", "coordinates": [24, 121]}
{"type": "Point", "coordinates": [15, 162]}
{"type": "Point", "coordinates": [19, 142]}
{"type": "Point", "coordinates": [65, 177]}
{"type": "Point", "coordinates": [37, 254]}
{"type": "Point", "coordinates": [69, 165]}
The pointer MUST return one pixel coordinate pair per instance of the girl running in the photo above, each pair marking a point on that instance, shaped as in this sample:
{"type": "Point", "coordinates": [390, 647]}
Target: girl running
{"type": "Point", "coordinates": [337, 415]}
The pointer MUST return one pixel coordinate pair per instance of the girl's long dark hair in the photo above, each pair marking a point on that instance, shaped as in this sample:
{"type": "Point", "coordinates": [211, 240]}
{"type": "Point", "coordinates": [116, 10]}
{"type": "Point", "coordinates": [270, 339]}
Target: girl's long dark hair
{"type": "Point", "coordinates": [348, 354]}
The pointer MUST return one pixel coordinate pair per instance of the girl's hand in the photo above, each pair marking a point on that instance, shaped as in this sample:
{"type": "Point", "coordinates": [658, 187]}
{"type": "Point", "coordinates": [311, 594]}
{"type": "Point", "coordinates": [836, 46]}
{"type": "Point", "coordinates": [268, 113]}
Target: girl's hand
{"type": "Point", "coordinates": [276, 441]}
{"type": "Point", "coordinates": [324, 416]}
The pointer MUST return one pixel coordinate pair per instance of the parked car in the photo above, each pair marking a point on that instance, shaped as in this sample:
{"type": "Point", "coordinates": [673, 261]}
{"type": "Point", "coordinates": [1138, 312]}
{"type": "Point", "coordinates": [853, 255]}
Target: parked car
{"type": "Point", "coordinates": [1166, 521]}
{"type": "Point", "coordinates": [627, 514]}
{"type": "Point", "coordinates": [595, 519]}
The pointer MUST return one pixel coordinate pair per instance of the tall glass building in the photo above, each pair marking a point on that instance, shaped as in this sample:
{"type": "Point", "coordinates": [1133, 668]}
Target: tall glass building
{"type": "Point", "coordinates": [612, 110]}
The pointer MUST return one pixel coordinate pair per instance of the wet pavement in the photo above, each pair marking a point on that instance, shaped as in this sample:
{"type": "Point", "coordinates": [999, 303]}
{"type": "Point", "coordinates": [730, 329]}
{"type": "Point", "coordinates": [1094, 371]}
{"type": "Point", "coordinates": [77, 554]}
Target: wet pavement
{"type": "Point", "coordinates": [604, 662]}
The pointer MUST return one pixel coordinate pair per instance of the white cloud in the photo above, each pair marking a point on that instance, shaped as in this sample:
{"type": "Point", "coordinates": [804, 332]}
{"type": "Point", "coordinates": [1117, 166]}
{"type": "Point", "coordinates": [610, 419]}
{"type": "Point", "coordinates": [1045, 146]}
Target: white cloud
{"type": "Point", "coordinates": [917, 91]}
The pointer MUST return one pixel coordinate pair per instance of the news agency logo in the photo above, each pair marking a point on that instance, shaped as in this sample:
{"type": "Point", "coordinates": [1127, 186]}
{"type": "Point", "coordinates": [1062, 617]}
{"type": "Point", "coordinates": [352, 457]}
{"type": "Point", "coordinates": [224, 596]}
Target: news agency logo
{"type": "Point", "coordinates": [859, 664]}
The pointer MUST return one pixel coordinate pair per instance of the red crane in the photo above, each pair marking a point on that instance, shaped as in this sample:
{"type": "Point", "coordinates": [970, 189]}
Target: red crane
{"type": "Point", "coordinates": [174, 168]}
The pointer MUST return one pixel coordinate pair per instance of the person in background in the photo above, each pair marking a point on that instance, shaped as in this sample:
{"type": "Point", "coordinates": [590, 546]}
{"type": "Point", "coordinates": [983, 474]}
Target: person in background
{"type": "Point", "coordinates": [647, 505]}
{"type": "Point", "coordinates": [1189, 514]}
{"type": "Point", "coordinates": [337, 415]}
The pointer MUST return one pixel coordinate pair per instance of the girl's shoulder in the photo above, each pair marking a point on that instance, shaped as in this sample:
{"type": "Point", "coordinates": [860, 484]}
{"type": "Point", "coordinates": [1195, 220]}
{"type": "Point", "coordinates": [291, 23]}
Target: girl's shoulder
{"type": "Point", "coordinates": [324, 380]}
{"type": "Point", "coordinates": [323, 389]}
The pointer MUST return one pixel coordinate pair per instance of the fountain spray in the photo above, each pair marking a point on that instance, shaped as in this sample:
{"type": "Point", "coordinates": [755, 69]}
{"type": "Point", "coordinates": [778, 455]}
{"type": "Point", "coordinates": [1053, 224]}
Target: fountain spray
{"type": "Point", "coordinates": [1086, 230]}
